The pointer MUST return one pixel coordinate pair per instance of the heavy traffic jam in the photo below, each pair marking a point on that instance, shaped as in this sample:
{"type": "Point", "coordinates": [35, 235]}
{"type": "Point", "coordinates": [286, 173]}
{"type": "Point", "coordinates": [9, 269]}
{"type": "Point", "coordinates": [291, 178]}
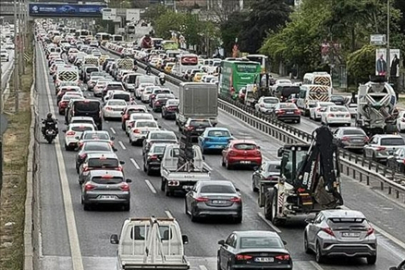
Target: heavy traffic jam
{"type": "Point", "coordinates": [99, 80]}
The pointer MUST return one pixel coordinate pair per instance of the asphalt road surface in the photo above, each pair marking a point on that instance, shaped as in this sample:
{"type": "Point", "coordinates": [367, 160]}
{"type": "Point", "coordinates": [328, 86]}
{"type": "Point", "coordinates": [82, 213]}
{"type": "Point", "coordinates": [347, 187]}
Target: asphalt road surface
{"type": "Point", "coordinates": [74, 239]}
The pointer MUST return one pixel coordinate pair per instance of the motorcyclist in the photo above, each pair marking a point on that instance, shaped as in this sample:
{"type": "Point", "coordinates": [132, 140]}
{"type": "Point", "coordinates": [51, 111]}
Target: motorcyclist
{"type": "Point", "coordinates": [162, 78]}
{"type": "Point", "coordinates": [135, 65]}
{"type": "Point", "coordinates": [148, 69]}
{"type": "Point", "coordinates": [49, 122]}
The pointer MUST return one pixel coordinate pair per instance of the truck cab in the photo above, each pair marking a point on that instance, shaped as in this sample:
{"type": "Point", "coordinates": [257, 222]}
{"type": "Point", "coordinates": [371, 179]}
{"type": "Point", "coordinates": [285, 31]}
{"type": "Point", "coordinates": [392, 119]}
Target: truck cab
{"type": "Point", "coordinates": [150, 243]}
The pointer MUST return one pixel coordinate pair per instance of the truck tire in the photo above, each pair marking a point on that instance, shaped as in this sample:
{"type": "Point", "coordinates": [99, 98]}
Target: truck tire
{"type": "Point", "coordinates": [162, 184]}
{"type": "Point", "coordinates": [270, 208]}
{"type": "Point", "coordinates": [168, 193]}
{"type": "Point", "coordinates": [268, 204]}
{"type": "Point", "coordinates": [127, 206]}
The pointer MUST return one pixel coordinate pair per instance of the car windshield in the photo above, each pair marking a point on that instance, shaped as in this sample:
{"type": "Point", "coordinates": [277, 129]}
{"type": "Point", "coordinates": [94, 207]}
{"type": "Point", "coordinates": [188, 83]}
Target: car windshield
{"type": "Point", "coordinates": [245, 146]}
{"type": "Point", "coordinates": [84, 121]}
{"type": "Point", "coordinates": [270, 100]}
{"type": "Point", "coordinates": [273, 168]}
{"type": "Point", "coordinates": [337, 109]}
{"type": "Point", "coordinates": [197, 123]}
{"type": "Point", "coordinates": [158, 149]}
{"type": "Point", "coordinates": [146, 124]}
{"type": "Point", "coordinates": [392, 141]}
{"type": "Point", "coordinates": [217, 189]}
{"type": "Point", "coordinates": [124, 97]}
{"type": "Point", "coordinates": [117, 103]}
{"type": "Point", "coordinates": [353, 132]}
{"type": "Point", "coordinates": [96, 136]}
{"type": "Point", "coordinates": [81, 128]}
{"type": "Point", "coordinates": [103, 162]}
{"type": "Point", "coordinates": [260, 242]}
{"type": "Point", "coordinates": [115, 87]}
{"type": "Point", "coordinates": [107, 180]}
{"type": "Point", "coordinates": [219, 133]}
{"type": "Point", "coordinates": [162, 136]}
{"type": "Point", "coordinates": [97, 147]}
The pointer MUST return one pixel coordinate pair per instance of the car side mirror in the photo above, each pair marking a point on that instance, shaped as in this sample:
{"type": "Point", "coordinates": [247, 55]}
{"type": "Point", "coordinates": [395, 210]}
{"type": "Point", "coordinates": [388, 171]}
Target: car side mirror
{"type": "Point", "coordinates": [115, 149]}
{"type": "Point", "coordinates": [185, 239]}
{"type": "Point", "coordinates": [143, 137]}
{"type": "Point", "coordinates": [256, 168]}
{"type": "Point", "coordinates": [159, 126]}
{"type": "Point", "coordinates": [237, 189]}
{"type": "Point", "coordinates": [122, 113]}
{"type": "Point", "coordinates": [77, 138]}
{"type": "Point", "coordinates": [278, 167]}
{"type": "Point", "coordinates": [203, 157]}
{"type": "Point", "coordinates": [258, 147]}
{"type": "Point", "coordinates": [221, 242]}
{"type": "Point", "coordinates": [188, 189]}
{"type": "Point", "coordinates": [309, 220]}
{"type": "Point", "coordinates": [64, 131]}
{"type": "Point", "coordinates": [156, 119]}
{"type": "Point", "coordinates": [393, 268]}
{"type": "Point", "coordinates": [114, 239]}
{"type": "Point", "coordinates": [285, 243]}
{"type": "Point", "coordinates": [122, 162]}
{"type": "Point", "coordinates": [112, 138]}
{"type": "Point", "coordinates": [280, 152]}
{"type": "Point", "coordinates": [128, 180]}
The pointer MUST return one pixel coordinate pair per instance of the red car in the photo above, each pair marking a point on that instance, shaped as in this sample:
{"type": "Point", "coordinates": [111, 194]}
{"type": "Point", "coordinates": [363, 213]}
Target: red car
{"type": "Point", "coordinates": [241, 153]}
{"type": "Point", "coordinates": [131, 109]}
{"type": "Point", "coordinates": [65, 101]}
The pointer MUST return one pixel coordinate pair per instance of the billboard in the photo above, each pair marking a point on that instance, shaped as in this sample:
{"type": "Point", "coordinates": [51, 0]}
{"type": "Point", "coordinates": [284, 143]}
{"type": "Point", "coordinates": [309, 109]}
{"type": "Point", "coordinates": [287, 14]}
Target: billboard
{"type": "Point", "coordinates": [395, 57]}
{"type": "Point", "coordinates": [133, 15]}
{"type": "Point", "coordinates": [65, 10]}
{"type": "Point", "coordinates": [109, 14]}
{"type": "Point", "coordinates": [381, 62]}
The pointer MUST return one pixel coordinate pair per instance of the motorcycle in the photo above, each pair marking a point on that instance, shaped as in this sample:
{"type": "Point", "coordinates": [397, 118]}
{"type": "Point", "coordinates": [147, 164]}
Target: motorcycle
{"type": "Point", "coordinates": [162, 81]}
{"type": "Point", "coordinates": [50, 135]}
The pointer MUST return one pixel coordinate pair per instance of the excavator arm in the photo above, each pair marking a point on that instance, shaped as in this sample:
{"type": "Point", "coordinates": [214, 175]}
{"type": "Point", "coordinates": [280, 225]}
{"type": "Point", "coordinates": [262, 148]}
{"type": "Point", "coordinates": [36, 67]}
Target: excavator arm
{"type": "Point", "coordinates": [318, 173]}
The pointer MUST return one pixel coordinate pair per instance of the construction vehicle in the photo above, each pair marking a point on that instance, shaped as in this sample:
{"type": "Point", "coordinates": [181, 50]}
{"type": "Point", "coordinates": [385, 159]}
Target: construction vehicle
{"type": "Point", "coordinates": [151, 243]}
{"type": "Point", "coordinates": [309, 180]}
{"type": "Point", "coordinates": [250, 94]}
{"type": "Point", "coordinates": [182, 166]}
{"type": "Point", "coordinates": [376, 104]}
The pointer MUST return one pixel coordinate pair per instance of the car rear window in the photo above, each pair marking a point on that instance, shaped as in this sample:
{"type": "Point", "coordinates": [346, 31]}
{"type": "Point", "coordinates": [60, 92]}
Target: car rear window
{"type": "Point", "coordinates": [99, 136]}
{"type": "Point", "coordinates": [347, 223]}
{"type": "Point", "coordinates": [158, 149]}
{"type": "Point", "coordinates": [136, 116]}
{"type": "Point", "coordinates": [217, 189]}
{"type": "Point", "coordinates": [117, 102]}
{"type": "Point", "coordinates": [146, 124]}
{"type": "Point", "coordinates": [273, 168]}
{"type": "Point", "coordinates": [107, 180]}
{"type": "Point", "coordinates": [162, 136]}
{"type": "Point", "coordinates": [338, 109]}
{"type": "Point", "coordinates": [245, 146]}
{"type": "Point", "coordinates": [122, 96]}
{"type": "Point", "coordinates": [103, 162]}
{"type": "Point", "coordinates": [392, 141]}
{"type": "Point", "coordinates": [115, 87]}
{"type": "Point", "coordinates": [90, 70]}
{"type": "Point", "coordinates": [270, 100]}
{"type": "Point", "coordinates": [172, 103]}
{"type": "Point", "coordinates": [260, 242]}
{"type": "Point", "coordinates": [81, 128]}
{"type": "Point", "coordinates": [197, 123]}
{"type": "Point", "coordinates": [135, 110]}
{"type": "Point", "coordinates": [353, 132]}
{"type": "Point", "coordinates": [69, 97]}
{"type": "Point", "coordinates": [218, 133]}
{"type": "Point", "coordinates": [288, 106]}
{"type": "Point", "coordinates": [97, 147]}
{"type": "Point", "coordinates": [87, 106]}
{"type": "Point", "coordinates": [82, 121]}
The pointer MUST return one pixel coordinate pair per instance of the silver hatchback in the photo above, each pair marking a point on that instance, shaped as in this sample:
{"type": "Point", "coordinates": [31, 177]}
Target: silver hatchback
{"type": "Point", "coordinates": [106, 187]}
{"type": "Point", "coordinates": [335, 233]}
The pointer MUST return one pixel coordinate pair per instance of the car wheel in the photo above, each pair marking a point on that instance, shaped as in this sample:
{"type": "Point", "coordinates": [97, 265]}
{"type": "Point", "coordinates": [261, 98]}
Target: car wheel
{"type": "Point", "coordinates": [77, 168]}
{"type": "Point", "coordinates": [227, 165]}
{"type": "Point", "coordinates": [218, 263]}
{"type": "Point", "coordinates": [162, 184]}
{"type": "Point", "coordinates": [254, 188]}
{"type": "Point", "coordinates": [194, 218]}
{"type": "Point", "coordinates": [238, 219]}
{"type": "Point", "coordinates": [168, 193]}
{"type": "Point", "coordinates": [127, 206]}
{"type": "Point", "coordinates": [131, 142]}
{"type": "Point", "coordinates": [223, 162]}
{"type": "Point", "coordinates": [148, 170]}
{"type": "Point", "coordinates": [371, 260]}
{"type": "Point", "coordinates": [185, 207]}
{"type": "Point", "coordinates": [123, 127]}
{"type": "Point", "coordinates": [319, 258]}
{"type": "Point", "coordinates": [306, 246]}
{"type": "Point", "coordinates": [298, 121]}
{"type": "Point", "coordinates": [86, 206]}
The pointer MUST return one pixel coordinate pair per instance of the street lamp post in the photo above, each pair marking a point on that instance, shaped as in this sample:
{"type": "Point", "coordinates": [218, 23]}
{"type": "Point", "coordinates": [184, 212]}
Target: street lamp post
{"type": "Point", "coordinates": [388, 42]}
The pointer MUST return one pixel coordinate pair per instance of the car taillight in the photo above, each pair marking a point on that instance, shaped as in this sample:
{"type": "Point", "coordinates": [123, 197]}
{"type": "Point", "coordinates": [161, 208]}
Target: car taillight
{"type": "Point", "coordinates": [331, 115]}
{"type": "Point", "coordinates": [108, 108]}
{"type": "Point", "coordinates": [345, 139]}
{"type": "Point", "coordinates": [70, 133]}
{"type": "Point", "coordinates": [280, 111]}
{"type": "Point", "coordinates": [83, 156]}
{"type": "Point", "coordinates": [370, 231]}
{"type": "Point", "coordinates": [366, 139]}
{"type": "Point", "coordinates": [119, 168]}
{"type": "Point", "coordinates": [328, 231]}
{"type": "Point", "coordinates": [201, 199]}
{"type": "Point", "coordinates": [152, 157]}
{"type": "Point", "coordinates": [318, 110]}
{"type": "Point", "coordinates": [262, 105]}
{"type": "Point", "coordinates": [241, 257]}
{"type": "Point", "coordinates": [282, 257]}
{"type": "Point", "coordinates": [403, 120]}
{"type": "Point", "coordinates": [157, 103]}
{"type": "Point", "coordinates": [189, 128]}
{"type": "Point", "coordinates": [152, 96]}
{"type": "Point", "coordinates": [348, 115]}
{"type": "Point", "coordinates": [88, 187]}
{"type": "Point", "coordinates": [381, 148]}
{"type": "Point", "coordinates": [137, 131]}
{"type": "Point", "coordinates": [297, 111]}
{"type": "Point", "coordinates": [236, 200]}
{"type": "Point", "coordinates": [124, 187]}
{"type": "Point", "coordinates": [170, 108]}
{"type": "Point", "coordinates": [258, 153]}
{"type": "Point", "coordinates": [232, 153]}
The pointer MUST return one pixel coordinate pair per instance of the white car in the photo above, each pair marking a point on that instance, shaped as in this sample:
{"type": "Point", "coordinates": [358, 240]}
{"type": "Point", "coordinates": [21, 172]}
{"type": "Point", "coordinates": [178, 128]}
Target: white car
{"type": "Point", "coordinates": [118, 94]}
{"type": "Point", "coordinates": [73, 131]}
{"type": "Point", "coordinates": [141, 88]}
{"type": "Point", "coordinates": [92, 82]}
{"type": "Point", "coordinates": [400, 121]}
{"type": "Point", "coordinates": [352, 107]}
{"type": "Point", "coordinates": [336, 115]}
{"type": "Point", "coordinates": [266, 104]}
{"type": "Point", "coordinates": [4, 56]}
{"type": "Point", "coordinates": [147, 92]}
{"type": "Point", "coordinates": [99, 87]}
{"type": "Point", "coordinates": [83, 120]}
{"type": "Point", "coordinates": [9, 46]}
{"type": "Point", "coordinates": [140, 129]}
{"type": "Point", "coordinates": [137, 116]}
{"type": "Point", "coordinates": [315, 112]}
{"type": "Point", "coordinates": [113, 108]}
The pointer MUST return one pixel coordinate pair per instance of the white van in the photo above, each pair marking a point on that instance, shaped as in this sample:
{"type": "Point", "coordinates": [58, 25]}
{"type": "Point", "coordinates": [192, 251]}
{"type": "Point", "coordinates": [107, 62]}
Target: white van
{"type": "Point", "coordinates": [317, 78]}
{"type": "Point", "coordinates": [310, 94]}
{"type": "Point", "coordinates": [146, 79]}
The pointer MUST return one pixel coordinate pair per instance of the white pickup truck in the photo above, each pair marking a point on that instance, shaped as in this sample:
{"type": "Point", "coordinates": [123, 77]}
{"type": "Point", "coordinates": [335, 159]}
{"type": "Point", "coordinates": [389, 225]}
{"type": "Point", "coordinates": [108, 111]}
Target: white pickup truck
{"type": "Point", "coordinates": [180, 177]}
{"type": "Point", "coordinates": [151, 243]}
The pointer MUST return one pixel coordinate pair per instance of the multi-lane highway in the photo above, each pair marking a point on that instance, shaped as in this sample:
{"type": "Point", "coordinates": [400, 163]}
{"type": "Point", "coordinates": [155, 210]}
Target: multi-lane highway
{"type": "Point", "coordinates": [74, 239]}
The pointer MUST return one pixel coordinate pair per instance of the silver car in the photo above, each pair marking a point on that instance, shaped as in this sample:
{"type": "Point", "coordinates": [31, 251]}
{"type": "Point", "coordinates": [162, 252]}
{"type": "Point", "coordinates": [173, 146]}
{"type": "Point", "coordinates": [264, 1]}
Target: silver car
{"type": "Point", "coordinates": [350, 137]}
{"type": "Point", "coordinates": [382, 146]}
{"type": "Point", "coordinates": [266, 104]}
{"type": "Point", "coordinates": [106, 187]}
{"type": "Point", "coordinates": [335, 233]}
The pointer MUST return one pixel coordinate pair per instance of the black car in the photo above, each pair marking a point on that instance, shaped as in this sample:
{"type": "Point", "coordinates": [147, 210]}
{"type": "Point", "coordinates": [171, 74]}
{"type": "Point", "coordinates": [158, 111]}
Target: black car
{"type": "Point", "coordinates": [269, 173]}
{"type": "Point", "coordinates": [253, 250]}
{"type": "Point", "coordinates": [87, 107]}
{"type": "Point", "coordinates": [158, 136]}
{"type": "Point", "coordinates": [196, 127]}
{"type": "Point", "coordinates": [90, 148]}
{"type": "Point", "coordinates": [170, 108]}
{"type": "Point", "coordinates": [152, 160]}
{"type": "Point", "coordinates": [338, 100]}
{"type": "Point", "coordinates": [287, 112]}
{"type": "Point", "coordinates": [160, 101]}
{"type": "Point", "coordinates": [401, 266]}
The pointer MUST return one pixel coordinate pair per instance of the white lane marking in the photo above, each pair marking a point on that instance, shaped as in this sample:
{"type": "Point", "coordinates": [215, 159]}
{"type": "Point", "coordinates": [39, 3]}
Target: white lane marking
{"type": "Point", "coordinates": [383, 232]}
{"type": "Point", "coordinates": [202, 267]}
{"type": "Point", "coordinates": [77, 260]}
{"type": "Point", "coordinates": [135, 164]}
{"type": "Point", "coordinates": [122, 145]}
{"type": "Point", "coordinates": [277, 230]}
{"type": "Point", "coordinates": [208, 166]}
{"type": "Point", "coordinates": [113, 130]}
{"type": "Point", "coordinates": [149, 184]}
{"type": "Point", "coordinates": [316, 265]}
{"type": "Point", "coordinates": [169, 214]}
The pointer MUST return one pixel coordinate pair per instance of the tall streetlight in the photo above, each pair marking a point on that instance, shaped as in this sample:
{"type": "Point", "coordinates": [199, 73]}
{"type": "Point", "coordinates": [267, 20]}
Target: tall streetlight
{"type": "Point", "coordinates": [388, 41]}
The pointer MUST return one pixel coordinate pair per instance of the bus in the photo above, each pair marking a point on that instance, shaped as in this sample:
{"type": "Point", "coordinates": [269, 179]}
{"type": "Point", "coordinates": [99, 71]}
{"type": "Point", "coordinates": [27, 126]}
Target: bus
{"type": "Point", "coordinates": [236, 74]}
{"type": "Point", "coordinates": [169, 45]}
{"type": "Point", "coordinates": [103, 36]}
{"type": "Point", "coordinates": [186, 62]}
{"type": "Point", "coordinates": [82, 32]}
{"type": "Point", "coordinates": [116, 38]}
{"type": "Point", "coordinates": [262, 59]}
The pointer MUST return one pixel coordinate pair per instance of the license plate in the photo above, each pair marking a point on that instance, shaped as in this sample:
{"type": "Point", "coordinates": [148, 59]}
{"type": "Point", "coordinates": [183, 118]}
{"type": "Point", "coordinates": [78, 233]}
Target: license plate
{"type": "Point", "coordinates": [290, 112]}
{"type": "Point", "coordinates": [264, 259]}
{"type": "Point", "coordinates": [350, 234]}
{"type": "Point", "coordinates": [218, 202]}
{"type": "Point", "coordinates": [187, 187]}
{"type": "Point", "coordinates": [358, 141]}
{"type": "Point", "coordinates": [245, 162]}
{"type": "Point", "coordinates": [200, 129]}
{"type": "Point", "coordinates": [218, 146]}
{"type": "Point", "coordinates": [108, 197]}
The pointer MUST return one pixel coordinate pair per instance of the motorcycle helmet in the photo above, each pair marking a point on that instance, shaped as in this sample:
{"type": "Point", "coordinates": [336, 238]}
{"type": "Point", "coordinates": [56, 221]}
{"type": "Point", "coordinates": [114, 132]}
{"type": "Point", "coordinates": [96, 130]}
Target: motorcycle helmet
{"type": "Point", "coordinates": [49, 115]}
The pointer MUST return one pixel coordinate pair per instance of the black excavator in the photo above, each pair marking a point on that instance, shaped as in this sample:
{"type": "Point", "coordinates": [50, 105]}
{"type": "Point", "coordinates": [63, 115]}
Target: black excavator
{"type": "Point", "coordinates": [309, 179]}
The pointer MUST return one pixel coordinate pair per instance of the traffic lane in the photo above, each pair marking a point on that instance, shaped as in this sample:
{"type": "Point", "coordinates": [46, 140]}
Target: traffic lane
{"type": "Point", "coordinates": [52, 217]}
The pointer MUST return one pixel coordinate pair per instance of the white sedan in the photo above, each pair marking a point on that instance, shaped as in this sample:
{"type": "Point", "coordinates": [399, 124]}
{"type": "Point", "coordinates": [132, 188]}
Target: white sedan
{"type": "Point", "coordinates": [141, 88]}
{"type": "Point", "coordinates": [401, 121]}
{"type": "Point", "coordinates": [74, 131]}
{"type": "Point", "coordinates": [135, 117]}
{"type": "Point", "coordinates": [266, 104]}
{"type": "Point", "coordinates": [147, 92]}
{"type": "Point", "coordinates": [336, 115]}
{"type": "Point", "coordinates": [113, 108]}
{"type": "Point", "coordinates": [140, 129]}
{"type": "Point", "coordinates": [315, 112]}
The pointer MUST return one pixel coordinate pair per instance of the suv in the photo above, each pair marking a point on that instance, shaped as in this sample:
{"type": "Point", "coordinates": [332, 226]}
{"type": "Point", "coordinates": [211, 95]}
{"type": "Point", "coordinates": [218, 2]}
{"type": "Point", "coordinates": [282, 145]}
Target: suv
{"type": "Point", "coordinates": [382, 146]}
{"type": "Point", "coordinates": [87, 107]}
{"type": "Point", "coordinates": [195, 127]}
{"type": "Point", "coordinates": [106, 187]}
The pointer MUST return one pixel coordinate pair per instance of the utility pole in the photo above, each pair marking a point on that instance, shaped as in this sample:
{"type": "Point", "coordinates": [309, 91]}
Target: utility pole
{"type": "Point", "coordinates": [388, 42]}
{"type": "Point", "coordinates": [16, 78]}
{"type": "Point", "coordinates": [1, 133]}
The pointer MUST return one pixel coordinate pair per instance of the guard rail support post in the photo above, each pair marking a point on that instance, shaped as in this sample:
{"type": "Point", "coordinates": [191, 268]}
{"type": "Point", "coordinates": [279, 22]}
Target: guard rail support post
{"type": "Point", "coordinates": [354, 174]}
{"type": "Point", "coordinates": [377, 167]}
{"type": "Point", "coordinates": [382, 185]}
{"type": "Point", "coordinates": [368, 180]}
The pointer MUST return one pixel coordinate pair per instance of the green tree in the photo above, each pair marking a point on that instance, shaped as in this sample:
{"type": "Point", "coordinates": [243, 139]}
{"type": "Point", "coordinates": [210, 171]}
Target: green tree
{"type": "Point", "coordinates": [167, 22]}
{"type": "Point", "coordinates": [361, 64]}
{"type": "Point", "coordinates": [231, 29]}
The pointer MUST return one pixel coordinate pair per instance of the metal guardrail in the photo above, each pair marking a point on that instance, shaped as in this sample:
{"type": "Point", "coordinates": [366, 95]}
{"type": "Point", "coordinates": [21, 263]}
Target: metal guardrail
{"type": "Point", "coordinates": [353, 165]}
